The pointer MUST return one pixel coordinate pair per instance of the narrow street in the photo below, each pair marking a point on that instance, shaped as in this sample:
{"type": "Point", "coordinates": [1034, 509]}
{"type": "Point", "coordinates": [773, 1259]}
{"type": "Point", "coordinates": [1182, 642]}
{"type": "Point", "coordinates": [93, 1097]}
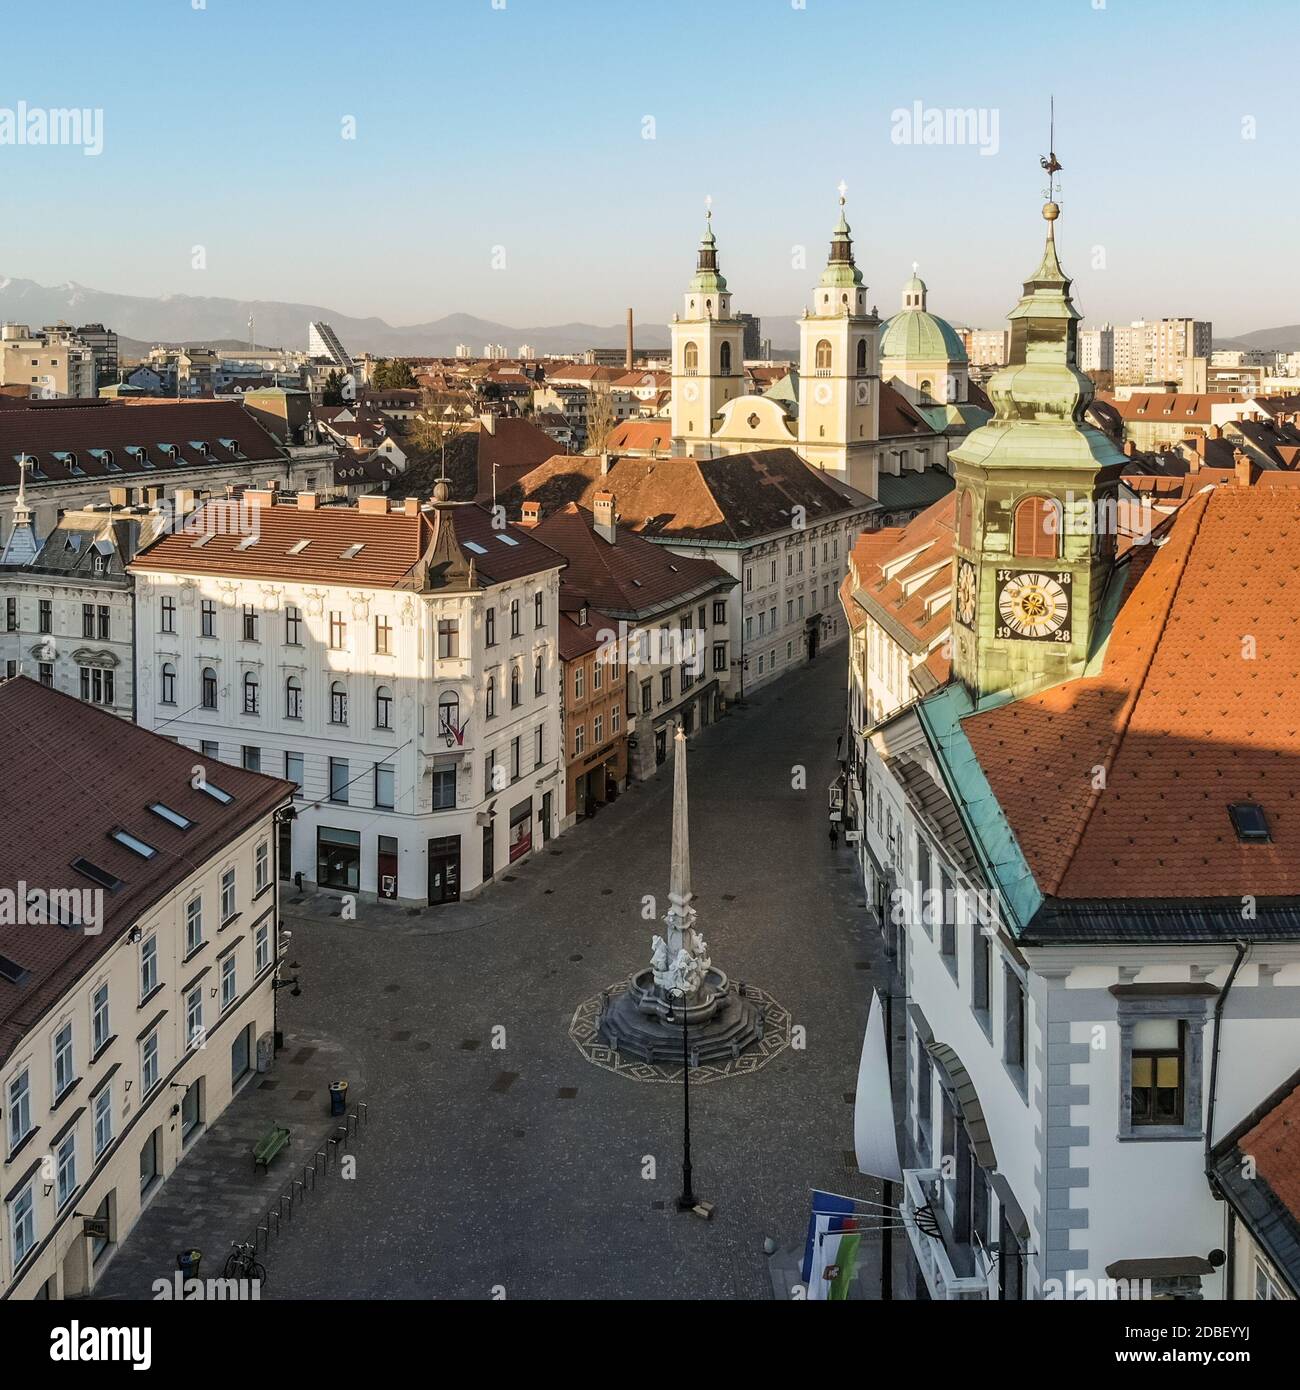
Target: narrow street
{"type": "Point", "coordinates": [521, 1170]}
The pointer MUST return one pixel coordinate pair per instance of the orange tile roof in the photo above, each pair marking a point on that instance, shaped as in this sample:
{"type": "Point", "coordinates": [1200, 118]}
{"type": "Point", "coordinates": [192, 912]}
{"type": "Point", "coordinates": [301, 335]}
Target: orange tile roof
{"type": "Point", "coordinates": [898, 599]}
{"type": "Point", "coordinates": [642, 435]}
{"type": "Point", "coordinates": [1274, 1143]}
{"type": "Point", "coordinates": [1193, 709]}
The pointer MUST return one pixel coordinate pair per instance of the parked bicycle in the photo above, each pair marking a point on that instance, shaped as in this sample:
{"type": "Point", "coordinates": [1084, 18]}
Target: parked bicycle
{"type": "Point", "coordinates": [242, 1263]}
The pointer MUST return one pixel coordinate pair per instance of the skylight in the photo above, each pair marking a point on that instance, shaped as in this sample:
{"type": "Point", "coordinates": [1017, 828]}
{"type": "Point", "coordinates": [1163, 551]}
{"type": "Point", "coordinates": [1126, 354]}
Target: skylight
{"type": "Point", "coordinates": [353, 551]}
{"type": "Point", "coordinates": [135, 845]}
{"type": "Point", "coordinates": [13, 972]}
{"type": "Point", "coordinates": [507, 540]}
{"type": "Point", "coordinates": [297, 547]}
{"type": "Point", "coordinates": [248, 542]}
{"type": "Point", "coordinates": [202, 540]}
{"type": "Point", "coordinates": [1250, 822]}
{"type": "Point", "coordinates": [216, 793]}
{"type": "Point", "coordinates": [173, 817]}
{"type": "Point", "coordinates": [475, 547]}
{"type": "Point", "coordinates": [97, 875]}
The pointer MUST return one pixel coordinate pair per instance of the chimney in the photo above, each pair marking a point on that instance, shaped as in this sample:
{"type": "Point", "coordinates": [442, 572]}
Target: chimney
{"type": "Point", "coordinates": [489, 422]}
{"type": "Point", "coordinates": [602, 506]}
{"type": "Point", "coordinates": [606, 463]}
{"type": "Point", "coordinates": [184, 501]}
{"type": "Point", "coordinates": [306, 501]}
{"type": "Point", "coordinates": [117, 497]}
{"type": "Point", "coordinates": [258, 497]}
{"type": "Point", "coordinates": [530, 514]}
{"type": "Point", "coordinates": [1129, 448]}
{"type": "Point", "coordinates": [631, 354]}
{"type": "Point", "coordinates": [375, 505]}
{"type": "Point", "coordinates": [410, 506]}
{"type": "Point", "coordinates": [1245, 470]}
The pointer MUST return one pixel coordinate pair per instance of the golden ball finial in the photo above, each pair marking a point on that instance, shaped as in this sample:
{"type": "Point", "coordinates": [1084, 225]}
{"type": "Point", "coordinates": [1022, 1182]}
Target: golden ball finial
{"type": "Point", "coordinates": [1051, 212]}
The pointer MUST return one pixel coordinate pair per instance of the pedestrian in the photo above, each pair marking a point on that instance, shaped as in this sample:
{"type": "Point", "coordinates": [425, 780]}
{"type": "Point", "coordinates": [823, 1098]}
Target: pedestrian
{"type": "Point", "coordinates": [835, 836]}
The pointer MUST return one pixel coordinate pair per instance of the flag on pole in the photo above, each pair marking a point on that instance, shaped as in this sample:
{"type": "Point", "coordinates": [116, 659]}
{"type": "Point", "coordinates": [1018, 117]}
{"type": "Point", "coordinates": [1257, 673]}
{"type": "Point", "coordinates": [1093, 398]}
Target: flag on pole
{"type": "Point", "coordinates": [835, 1257]}
{"type": "Point", "coordinates": [823, 1204]}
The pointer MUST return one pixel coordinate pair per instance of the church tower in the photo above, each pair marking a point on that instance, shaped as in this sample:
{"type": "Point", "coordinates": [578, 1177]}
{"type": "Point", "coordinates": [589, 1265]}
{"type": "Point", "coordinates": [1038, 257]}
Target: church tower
{"type": "Point", "coordinates": [707, 345]}
{"type": "Point", "coordinates": [1035, 505]}
{"type": "Point", "coordinates": [839, 381]}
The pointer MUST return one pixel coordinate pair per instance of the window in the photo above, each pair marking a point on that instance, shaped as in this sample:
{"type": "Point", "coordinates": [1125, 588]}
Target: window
{"type": "Point", "coordinates": [66, 1171]}
{"type": "Point", "coordinates": [250, 623]}
{"type": "Point", "coordinates": [597, 730]}
{"type": "Point", "coordinates": [539, 745]}
{"type": "Point", "coordinates": [96, 685]}
{"type": "Point", "coordinates": [383, 707]}
{"type": "Point", "coordinates": [193, 925]}
{"type": "Point", "coordinates": [148, 967]}
{"type": "Point", "coordinates": [924, 901]}
{"type": "Point", "coordinates": [339, 780]}
{"type": "Point", "coordinates": [444, 788]}
{"type": "Point", "coordinates": [46, 669]}
{"type": "Point", "coordinates": [99, 1021]}
{"type": "Point", "coordinates": [647, 697]}
{"type": "Point", "coordinates": [293, 698]}
{"type": "Point", "coordinates": [64, 1074]}
{"type": "Point", "coordinates": [1037, 528]}
{"type": "Point", "coordinates": [489, 628]}
{"type": "Point", "coordinates": [490, 699]}
{"type": "Point", "coordinates": [293, 769]}
{"type": "Point", "coordinates": [516, 687]}
{"type": "Point", "coordinates": [293, 625]}
{"type": "Point", "coordinates": [947, 923]}
{"type": "Point", "coordinates": [666, 685]}
{"type": "Point", "coordinates": [514, 618]}
{"type": "Point", "coordinates": [383, 636]}
{"type": "Point", "coordinates": [538, 609]}
{"type": "Point", "coordinates": [227, 896]}
{"type": "Point", "coordinates": [261, 866]}
{"type": "Point", "coordinates": [149, 1068]}
{"type": "Point", "coordinates": [22, 1225]}
{"type": "Point", "coordinates": [1013, 1032]}
{"type": "Point", "coordinates": [104, 1118]}
{"type": "Point", "coordinates": [167, 692]}
{"type": "Point", "coordinates": [579, 738]}
{"type": "Point", "coordinates": [966, 519]}
{"type": "Point", "coordinates": [579, 682]}
{"type": "Point", "coordinates": [924, 1099]}
{"type": "Point", "coordinates": [1156, 1073]}
{"type": "Point", "coordinates": [448, 637]}
{"type": "Point", "coordinates": [229, 988]}
{"type": "Point", "coordinates": [194, 1018]}
{"type": "Point", "coordinates": [207, 618]}
{"type": "Point", "coordinates": [822, 356]}
{"type": "Point", "coordinates": [981, 959]}
{"type": "Point", "coordinates": [597, 675]}
{"type": "Point", "coordinates": [384, 786]}
{"type": "Point", "coordinates": [537, 675]}
{"type": "Point", "coordinates": [250, 692]}
{"type": "Point", "coordinates": [862, 356]}
{"type": "Point", "coordinates": [19, 1105]}
{"type": "Point", "coordinates": [516, 766]}
{"type": "Point", "coordinates": [208, 681]}
{"type": "Point", "coordinates": [45, 615]}
{"type": "Point", "coordinates": [262, 948]}
{"type": "Point", "coordinates": [724, 360]}
{"type": "Point", "coordinates": [11, 615]}
{"type": "Point", "coordinates": [87, 619]}
{"type": "Point", "coordinates": [691, 358]}
{"type": "Point", "coordinates": [615, 717]}
{"type": "Point", "coordinates": [338, 703]}
{"type": "Point", "coordinates": [338, 631]}
{"type": "Point", "coordinates": [251, 758]}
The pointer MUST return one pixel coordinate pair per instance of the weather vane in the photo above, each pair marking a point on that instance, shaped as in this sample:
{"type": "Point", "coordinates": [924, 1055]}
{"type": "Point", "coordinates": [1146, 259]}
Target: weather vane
{"type": "Point", "coordinates": [843, 189]}
{"type": "Point", "coordinates": [1049, 161]}
{"type": "Point", "coordinates": [708, 206]}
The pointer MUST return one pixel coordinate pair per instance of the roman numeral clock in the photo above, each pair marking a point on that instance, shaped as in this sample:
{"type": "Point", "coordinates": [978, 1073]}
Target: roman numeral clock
{"type": "Point", "coordinates": [1034, 606]}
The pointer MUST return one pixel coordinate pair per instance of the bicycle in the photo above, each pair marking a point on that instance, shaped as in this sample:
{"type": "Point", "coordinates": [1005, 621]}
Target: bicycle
{"type": "Point", "coordinates": [242, 1263]}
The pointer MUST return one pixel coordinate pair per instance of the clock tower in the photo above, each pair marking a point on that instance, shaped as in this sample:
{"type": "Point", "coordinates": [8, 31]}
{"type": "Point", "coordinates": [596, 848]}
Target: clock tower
{"type": "Point", "coordinates": [1035, 505]}
{"type": "Point", "coordinates": [839, 371]}
{"type": "Point", "coordinates": [707, 347]}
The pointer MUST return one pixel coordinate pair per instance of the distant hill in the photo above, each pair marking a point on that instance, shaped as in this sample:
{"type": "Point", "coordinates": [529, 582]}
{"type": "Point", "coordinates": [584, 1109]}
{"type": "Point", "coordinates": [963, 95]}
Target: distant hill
{"type": "Point", "coordinates": [195, 320]}
{"type": "Point", "coordinates": [1266, 339]}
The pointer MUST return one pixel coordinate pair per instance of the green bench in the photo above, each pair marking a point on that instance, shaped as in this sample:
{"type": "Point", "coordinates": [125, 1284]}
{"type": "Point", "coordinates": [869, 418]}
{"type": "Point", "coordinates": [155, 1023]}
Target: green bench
{"type": "Point", "coordinates": [270, 1144]}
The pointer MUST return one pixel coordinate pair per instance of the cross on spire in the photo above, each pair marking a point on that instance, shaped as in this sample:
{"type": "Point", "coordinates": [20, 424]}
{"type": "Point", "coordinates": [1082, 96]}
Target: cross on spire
{"type": "Point", "coordinates": [1049, 161]}
{"type": "Point", "coordinates": [843, 189]}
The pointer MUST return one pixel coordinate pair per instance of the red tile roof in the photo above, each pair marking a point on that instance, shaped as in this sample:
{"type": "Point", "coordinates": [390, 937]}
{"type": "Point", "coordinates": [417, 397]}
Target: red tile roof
{"type": "Point", "coordinates": [1274, 1144]}
{"type": "Point", "coordinates": [73, 774]}
{"type": "Point", "coordinates": [898, 417]}
{"type": "Point", "coordinates": [642, 436]}
{"type": "Point", "coordinates": [1193, 709]}
{"type": "Point", "coordinates": [886, 566]}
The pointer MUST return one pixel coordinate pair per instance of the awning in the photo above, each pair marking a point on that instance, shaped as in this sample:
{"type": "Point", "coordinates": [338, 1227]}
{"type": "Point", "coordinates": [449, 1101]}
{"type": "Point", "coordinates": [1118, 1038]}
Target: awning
{"type": "Point", "coordinates": [963, 1089]}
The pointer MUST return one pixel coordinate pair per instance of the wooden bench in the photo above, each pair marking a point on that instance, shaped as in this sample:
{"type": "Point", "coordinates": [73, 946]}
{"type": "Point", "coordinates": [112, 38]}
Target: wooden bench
{"type": "Point", "coordinates": [270, 1144]}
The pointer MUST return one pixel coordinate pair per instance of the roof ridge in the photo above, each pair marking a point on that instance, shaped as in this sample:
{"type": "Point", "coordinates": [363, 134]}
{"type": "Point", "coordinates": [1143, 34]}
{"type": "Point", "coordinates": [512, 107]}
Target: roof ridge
{"type": "Point", "coordinates": [1052, 888]}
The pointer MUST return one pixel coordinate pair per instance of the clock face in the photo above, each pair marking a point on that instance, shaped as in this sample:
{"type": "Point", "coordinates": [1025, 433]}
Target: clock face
{"type": "Point", "coordinates": [1034, 607]}
{"type": "Point", "coordinates": [822, 393]}
{"type": "Point", "coordinates": [690, 391]}
{"type": "Point", "coordinates": [864, 393]}
{"type": "Point", "coordinates": [966, 593]}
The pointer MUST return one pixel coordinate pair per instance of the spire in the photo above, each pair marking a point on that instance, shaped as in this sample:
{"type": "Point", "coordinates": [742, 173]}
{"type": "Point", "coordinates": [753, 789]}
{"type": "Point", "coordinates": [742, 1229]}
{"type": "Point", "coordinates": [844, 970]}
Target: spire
{"type": "Point", "coordinates": [841, 272]}
{"type": "Point", "coordinates": [23, 544]}
{"type": "Point", "coordinates": [707, 279]}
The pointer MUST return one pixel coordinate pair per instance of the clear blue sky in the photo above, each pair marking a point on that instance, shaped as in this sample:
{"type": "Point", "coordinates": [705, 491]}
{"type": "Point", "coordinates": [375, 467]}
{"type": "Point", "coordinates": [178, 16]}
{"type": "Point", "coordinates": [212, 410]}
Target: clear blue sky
{"type": "Point", "coordinates": [521, 127]}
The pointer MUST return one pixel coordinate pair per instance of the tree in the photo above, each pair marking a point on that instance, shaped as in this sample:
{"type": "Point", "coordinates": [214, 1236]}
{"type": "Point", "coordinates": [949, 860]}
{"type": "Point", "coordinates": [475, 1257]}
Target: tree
{"type": "Point", "coordinates": [332, 392]}
{"type": "Point", "coordinates": [438, 420]}
{"type": "Point", "coordinates": [601, 420]}
{"type": "Point", "coordinates": [392, 374]}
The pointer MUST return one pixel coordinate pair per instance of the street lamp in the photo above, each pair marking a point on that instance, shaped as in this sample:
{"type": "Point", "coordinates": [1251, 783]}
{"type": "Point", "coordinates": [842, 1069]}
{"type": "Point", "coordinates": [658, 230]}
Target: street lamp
{"type": "Point", "coordinates": [687, 1201]}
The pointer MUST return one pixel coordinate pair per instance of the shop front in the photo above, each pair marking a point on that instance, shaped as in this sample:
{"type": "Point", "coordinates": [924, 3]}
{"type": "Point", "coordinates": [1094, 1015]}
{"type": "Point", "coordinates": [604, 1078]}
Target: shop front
{"type": "Point", "coordinates": [338, 858]}
{"type": "Point", "coordinates": [521, 829]}
{"type": "Point", "coordinates": [597, 779]}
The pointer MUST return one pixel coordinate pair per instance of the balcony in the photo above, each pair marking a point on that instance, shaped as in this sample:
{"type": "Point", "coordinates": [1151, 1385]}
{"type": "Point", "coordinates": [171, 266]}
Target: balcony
{"type": "Point", "coordinates": [922, 1199]}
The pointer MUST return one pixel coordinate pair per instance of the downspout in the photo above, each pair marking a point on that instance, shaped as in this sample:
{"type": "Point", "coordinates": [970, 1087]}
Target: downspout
{"type": "Point", "coordinates": [1242, 948]}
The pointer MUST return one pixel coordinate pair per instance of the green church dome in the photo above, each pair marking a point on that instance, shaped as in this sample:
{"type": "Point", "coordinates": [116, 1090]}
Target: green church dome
{"type": "Point", "coordinates": [918, 335]}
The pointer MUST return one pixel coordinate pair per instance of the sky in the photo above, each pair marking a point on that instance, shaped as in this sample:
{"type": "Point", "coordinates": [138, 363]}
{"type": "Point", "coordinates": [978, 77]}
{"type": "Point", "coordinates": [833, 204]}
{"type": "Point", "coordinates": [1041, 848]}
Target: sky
{"type": "Point", "coordinates": [538, 162]}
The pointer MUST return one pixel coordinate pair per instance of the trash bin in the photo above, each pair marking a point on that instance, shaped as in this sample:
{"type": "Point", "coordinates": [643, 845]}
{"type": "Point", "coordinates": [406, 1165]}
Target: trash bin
{"type": "Point", "coordinates": [188, 1263]}
{"type": "Point", "coordinates": [338, 1097]}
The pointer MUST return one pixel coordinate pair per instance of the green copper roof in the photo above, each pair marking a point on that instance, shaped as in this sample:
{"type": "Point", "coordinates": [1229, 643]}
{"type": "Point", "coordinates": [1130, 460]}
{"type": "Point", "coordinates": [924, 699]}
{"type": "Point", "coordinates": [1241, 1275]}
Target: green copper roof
{"type": "Point", "coordinates": [840, 272]}
{"type": "Point", "coordinates": [707, 278]}
{"type": "Point", "coordinates": [920, 336]}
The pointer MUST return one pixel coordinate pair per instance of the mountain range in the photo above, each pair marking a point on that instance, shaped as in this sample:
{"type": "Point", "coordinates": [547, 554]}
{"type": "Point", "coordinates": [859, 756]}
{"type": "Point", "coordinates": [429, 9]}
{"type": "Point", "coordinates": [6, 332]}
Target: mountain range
{"type": "Point", "coordinates": [181, 318]}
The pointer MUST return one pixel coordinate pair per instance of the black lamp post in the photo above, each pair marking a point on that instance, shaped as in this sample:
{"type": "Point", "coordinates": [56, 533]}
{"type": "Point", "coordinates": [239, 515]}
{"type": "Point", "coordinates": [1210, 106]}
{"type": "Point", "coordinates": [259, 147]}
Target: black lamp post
{"type": "Point", "coordinates": [687, 1201]}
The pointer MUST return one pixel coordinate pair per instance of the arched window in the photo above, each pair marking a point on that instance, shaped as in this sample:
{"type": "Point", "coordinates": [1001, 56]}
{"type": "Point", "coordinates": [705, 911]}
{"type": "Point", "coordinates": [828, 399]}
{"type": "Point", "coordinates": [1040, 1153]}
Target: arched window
{"type": "Point", "coordinates": [691, 357]}
{"type": "Point", "coordinates": [293, 698]}
{"type": "Point", "coordinates": [537, 675]}
{"type": "Point", "coordinates": [966, 519]}
{"type": "Point", "coordinates": [822, 356]}
{"type": "Point", "coordinates": [516, 693]}
{"type": "Point", "coordinates": [448, 715]}
{"type": "Point", "coordinates": [338, 703]}
{"type": "Point", "coordinates": [862, 355]}
{"type": "Point", "coordinates": [925, 390]}
{"type": "Point", "coordinates": [250, 692]}
{"type": "Point", "coordinates": [383, 707]}
{"type": "Point", "coordinates": [209, 688]}
{"type": "Point", "coordinates": [1037, 528]}
{"type": "Point", "coordinates": [168, 696]}
{"type": "Point", "coordinates": [724, 359]}
{"type": "Point", "coordinates": [490, 702]}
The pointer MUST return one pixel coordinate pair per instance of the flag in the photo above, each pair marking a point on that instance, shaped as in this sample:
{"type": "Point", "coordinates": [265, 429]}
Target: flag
{"type": "Point", "coordinates": [835, 1257]}
{"type": "Point", "coordinates": [824, 1204]}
